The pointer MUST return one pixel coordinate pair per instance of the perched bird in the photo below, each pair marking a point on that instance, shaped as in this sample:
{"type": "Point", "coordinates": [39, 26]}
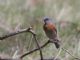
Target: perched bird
{"type": "Point", "coordinates": [51, 31]}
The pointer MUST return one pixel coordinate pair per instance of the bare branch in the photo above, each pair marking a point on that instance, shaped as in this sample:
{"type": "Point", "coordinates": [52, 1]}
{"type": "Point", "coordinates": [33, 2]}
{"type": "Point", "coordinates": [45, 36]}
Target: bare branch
{"type": "Point", "coordinates": [34, 35]}
{"type": "Point", "coordinates": [15, 33]}
{"type": "Point", "coordinates": [39, 48]}
{"type": "Point", "coordinates": [70, 54]}
{"type": "Point", "coordinates": [22, 56]}
{"type": "Point", "coordinates": [21, 31]}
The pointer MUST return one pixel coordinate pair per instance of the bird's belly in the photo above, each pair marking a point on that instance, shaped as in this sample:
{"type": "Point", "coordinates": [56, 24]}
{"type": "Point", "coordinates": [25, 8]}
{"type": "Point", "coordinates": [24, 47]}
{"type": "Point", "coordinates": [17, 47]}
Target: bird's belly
{"type": "Point", "coordinates": [50, 35]}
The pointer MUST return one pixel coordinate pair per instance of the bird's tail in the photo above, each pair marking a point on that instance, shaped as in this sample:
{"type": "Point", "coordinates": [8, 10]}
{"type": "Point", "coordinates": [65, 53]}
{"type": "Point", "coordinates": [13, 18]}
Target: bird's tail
{"type": "Point", "coordinates": [57, 43]}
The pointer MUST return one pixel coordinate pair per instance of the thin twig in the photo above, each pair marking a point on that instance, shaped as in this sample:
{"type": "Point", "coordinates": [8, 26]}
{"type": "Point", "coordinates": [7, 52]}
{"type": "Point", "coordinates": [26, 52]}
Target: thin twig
{"type": "Point", "coordinates": [15, 33]}
{"type": "Point", "coordinates": [34, 35]}
{"type": "Point", "coordinates": [70, 54]}
{"type": "Point", "coordinates": [27, 53]}
{"type": "Point", "coordinates": [41, 55]}
{"type": "Point", "coordinates": [58, 54]}
{"type": "Point", "coordinates": [21, 31]}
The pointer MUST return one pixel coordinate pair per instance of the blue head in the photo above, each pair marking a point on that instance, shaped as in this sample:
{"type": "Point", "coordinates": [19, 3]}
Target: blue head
{"type": "Point", "coordinates": [47, 20]}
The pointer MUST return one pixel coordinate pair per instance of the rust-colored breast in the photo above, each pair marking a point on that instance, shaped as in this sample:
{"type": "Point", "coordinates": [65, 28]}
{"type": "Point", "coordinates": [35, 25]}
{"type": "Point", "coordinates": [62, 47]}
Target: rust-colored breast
{"type": "Point", "coordinates": [50, 26]}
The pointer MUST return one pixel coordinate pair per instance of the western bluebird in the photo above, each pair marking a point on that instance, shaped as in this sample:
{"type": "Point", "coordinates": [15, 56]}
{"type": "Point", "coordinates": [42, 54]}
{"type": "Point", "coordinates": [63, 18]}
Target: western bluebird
{"type": "Point", "coordinates": [51, 31]}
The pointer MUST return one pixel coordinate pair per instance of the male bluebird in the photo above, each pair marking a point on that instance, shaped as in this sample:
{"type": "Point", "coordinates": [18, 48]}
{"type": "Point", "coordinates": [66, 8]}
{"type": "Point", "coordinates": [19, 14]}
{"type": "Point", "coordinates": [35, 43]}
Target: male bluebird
{"type": "Point", "coordinates": [51, 31]}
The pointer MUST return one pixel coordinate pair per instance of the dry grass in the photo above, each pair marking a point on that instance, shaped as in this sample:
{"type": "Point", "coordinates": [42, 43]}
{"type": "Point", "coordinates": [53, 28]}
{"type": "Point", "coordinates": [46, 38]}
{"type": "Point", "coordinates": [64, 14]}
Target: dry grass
{"type": "Point", "coordinates": [19, 14]}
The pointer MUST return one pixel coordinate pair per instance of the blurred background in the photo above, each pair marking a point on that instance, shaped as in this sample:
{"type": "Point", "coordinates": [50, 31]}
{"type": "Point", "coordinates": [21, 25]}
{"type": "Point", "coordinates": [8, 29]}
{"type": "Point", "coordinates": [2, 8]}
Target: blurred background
{"type": "Point", "coordinates": [20, 14]}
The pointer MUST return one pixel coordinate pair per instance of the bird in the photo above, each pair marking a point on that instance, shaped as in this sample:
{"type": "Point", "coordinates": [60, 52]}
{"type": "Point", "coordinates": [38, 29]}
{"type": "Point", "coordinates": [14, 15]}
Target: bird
{"type": "Point", "coordinates": [51, 31]}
